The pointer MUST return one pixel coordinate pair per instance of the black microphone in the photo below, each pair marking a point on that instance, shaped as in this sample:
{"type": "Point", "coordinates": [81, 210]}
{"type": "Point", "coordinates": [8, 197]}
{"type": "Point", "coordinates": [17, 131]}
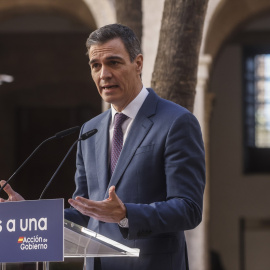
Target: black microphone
{"type": "Point", "coordinates": [83, 137]}
{"type": "Point", "coordinates": [58, 135]}
{"type": "Point", "coordinates": [66, 132]}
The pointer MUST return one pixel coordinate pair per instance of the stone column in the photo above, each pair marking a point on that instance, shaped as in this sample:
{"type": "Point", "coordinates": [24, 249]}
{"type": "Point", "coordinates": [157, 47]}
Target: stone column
{"type": "Point", "coordinates": [197, 239]}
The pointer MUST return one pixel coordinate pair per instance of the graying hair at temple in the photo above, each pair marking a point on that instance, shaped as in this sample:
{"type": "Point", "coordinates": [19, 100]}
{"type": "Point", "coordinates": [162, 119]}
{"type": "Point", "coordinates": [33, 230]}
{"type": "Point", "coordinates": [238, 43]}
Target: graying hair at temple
{"type": "Point", "coordinates": [112, 31]}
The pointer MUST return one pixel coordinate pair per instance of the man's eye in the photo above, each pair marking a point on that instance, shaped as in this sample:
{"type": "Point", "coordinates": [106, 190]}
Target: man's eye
{"type": "Point", "coordinates": [95, 66]}
{"type": "Point", "coordinates": [114, 63]}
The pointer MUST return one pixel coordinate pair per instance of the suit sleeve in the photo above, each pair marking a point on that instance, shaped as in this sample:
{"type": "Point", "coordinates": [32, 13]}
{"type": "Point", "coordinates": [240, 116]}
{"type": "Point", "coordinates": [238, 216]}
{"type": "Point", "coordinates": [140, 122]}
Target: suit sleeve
{"type": "Point", "coordinates": [184, 165]}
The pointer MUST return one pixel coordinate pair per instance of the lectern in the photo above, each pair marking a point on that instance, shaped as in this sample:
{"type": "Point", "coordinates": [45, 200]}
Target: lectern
{"type": "Point", "coordinates": [82, 242]}
{"type": "Point", "coordinates": [30, 239]}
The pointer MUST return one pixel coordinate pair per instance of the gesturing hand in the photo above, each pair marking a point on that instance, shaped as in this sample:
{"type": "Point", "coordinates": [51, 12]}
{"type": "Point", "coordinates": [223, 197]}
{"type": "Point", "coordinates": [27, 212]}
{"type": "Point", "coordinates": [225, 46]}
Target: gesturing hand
{"type": "Point", "coordinates": [110, 210]}
{"type": "Point", "coordinates": [13, 196]}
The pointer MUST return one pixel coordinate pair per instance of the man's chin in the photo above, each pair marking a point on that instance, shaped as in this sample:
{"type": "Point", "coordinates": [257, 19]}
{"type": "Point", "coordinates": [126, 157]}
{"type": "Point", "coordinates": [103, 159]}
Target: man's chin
{"type": "Point", "coordinates": [109, 98]}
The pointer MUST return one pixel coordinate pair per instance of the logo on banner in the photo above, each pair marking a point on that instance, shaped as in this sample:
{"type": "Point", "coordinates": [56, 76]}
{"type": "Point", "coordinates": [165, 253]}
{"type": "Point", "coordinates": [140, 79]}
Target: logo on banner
{"type": "Point", "coordinates": [32, 231]}
{"type": "Point", "coordinates": [20, 240]}
{"type": "Point", "coordinates": [35, 242]}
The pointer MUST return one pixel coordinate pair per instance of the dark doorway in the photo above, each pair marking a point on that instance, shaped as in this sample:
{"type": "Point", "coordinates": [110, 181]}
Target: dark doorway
{"type": "Point", "coordinates": [35, 124]}
{"type": "Point", "coordinates": [52, 91]}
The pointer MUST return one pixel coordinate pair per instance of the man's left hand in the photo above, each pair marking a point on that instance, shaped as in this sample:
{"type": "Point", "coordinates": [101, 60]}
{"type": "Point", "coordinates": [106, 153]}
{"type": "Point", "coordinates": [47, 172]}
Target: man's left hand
{"type": "Point", "coordinates": [110, 210]}
{"type": "Point", "coordinates": [13, 196]}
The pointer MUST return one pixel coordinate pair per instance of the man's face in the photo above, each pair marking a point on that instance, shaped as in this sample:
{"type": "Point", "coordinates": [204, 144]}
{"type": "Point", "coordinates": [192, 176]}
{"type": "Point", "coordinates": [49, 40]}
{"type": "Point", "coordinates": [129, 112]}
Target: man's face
{"type": "Point", "coordinates": [117, 79]}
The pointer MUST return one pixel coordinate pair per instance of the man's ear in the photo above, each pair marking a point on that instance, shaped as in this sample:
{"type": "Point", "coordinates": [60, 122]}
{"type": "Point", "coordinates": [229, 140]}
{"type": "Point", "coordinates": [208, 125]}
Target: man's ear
{"type": "Point", "coordinates": [139, 63]}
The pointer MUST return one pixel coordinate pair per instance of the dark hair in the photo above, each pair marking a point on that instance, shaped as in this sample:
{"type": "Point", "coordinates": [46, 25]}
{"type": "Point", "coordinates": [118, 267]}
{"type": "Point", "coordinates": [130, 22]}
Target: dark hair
{"type": "Point", "coordinates": [112, 31]}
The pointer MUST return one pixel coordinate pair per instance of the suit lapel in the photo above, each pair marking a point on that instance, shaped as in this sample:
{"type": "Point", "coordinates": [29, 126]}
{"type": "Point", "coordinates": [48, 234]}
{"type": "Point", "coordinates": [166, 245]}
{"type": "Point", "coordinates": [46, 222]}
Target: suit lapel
{"type": "Point", "coordinates": [139, 129]}
{"type": "Point", "coordinates": [102, 146]}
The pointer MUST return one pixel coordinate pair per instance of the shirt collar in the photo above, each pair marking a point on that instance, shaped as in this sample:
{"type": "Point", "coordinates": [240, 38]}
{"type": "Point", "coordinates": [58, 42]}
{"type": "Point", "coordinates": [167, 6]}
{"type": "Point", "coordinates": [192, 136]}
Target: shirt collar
{"type": "Point", "coordinates": [134, 106]}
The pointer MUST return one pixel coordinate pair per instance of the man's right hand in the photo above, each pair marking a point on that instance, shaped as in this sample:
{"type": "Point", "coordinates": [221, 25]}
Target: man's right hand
{"type": "Point", "coordinates": [13, 196]}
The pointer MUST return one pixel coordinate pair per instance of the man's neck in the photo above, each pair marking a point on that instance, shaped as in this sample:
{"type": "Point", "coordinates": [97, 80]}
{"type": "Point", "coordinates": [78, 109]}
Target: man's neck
{"type": "Point", "coordinates": [121, 107]}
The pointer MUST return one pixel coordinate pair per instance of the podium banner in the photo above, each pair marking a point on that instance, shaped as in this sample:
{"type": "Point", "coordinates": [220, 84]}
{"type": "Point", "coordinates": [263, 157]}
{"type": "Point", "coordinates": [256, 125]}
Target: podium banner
{"type": "Point", "coordinates": [32, 231]}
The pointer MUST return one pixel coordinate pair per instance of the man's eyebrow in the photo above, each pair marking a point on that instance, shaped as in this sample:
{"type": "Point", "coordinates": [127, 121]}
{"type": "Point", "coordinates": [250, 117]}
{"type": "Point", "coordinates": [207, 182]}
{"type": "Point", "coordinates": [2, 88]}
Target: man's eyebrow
{"type": "Point", "coordinates": [92, 61]}
{"type": "Point", "coordinates": [113, 57]}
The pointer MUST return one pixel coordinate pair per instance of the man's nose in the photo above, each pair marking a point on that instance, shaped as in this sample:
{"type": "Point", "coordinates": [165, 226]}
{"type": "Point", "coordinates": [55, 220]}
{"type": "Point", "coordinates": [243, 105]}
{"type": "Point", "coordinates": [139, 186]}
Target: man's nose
{"type": "Point", "coordinates": [105, 72]}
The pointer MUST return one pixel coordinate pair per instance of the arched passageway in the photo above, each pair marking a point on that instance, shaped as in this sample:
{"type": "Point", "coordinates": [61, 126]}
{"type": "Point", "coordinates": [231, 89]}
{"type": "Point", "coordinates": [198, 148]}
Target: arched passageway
{"type": "Point", "coordinates": [42, 45]}
{"type": "Point", "coordinates": [234, 194]}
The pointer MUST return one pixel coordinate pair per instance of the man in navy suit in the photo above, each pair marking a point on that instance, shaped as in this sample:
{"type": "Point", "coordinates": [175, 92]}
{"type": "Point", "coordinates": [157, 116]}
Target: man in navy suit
{"type": "Point", "coordinates": [153, 191]}
{"type": "Point", "coordinates": [156, 189]}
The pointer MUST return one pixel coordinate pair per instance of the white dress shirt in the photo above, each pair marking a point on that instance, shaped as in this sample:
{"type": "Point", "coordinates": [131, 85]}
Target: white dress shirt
{"type": "Point", "coordinates": [131, 111]}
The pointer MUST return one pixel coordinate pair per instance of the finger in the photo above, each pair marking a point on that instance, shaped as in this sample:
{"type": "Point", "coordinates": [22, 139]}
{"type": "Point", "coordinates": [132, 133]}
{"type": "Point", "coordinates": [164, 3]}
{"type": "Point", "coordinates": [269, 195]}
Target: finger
{"type": "Point", "coordinates": [74, 203]}
{"type": "Point", "coordinates": [85, 201]}
{"type": "Point", "coordinates": [112, 194]}
{"type": "Point", "coordinates": [79, 204]}
{"type": "Point", "coordinates": [2, 182]}
{"type": "Point", "coordinates": [82, 207]}
{"type": "Point", "coordinates": [8, 189]}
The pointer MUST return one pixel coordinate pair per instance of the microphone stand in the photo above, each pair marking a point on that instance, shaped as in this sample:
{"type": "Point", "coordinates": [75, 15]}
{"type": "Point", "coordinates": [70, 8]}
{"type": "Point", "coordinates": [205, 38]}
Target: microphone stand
{"type": "Point", "coordinates": [58, 135]}
{"type": "Point", "coordinates": [11, 177]}
{"type": "Point", "coordinates": [84, 136]}
{"type": "Point", "coordinates": [58, 168]}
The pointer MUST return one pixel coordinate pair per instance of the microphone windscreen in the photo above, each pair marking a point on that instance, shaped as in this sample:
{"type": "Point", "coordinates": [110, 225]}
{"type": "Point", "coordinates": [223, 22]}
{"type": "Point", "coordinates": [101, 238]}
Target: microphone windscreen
{"type": "Point", "coordinates": [88, 134]}
{"type": "Point", "coordinates": [66, 132]}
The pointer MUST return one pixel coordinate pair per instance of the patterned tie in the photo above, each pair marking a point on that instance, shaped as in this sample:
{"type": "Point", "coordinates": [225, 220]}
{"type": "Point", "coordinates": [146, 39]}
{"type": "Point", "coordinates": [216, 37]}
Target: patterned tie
{"type": "Point", "coordinates": [117, 140]}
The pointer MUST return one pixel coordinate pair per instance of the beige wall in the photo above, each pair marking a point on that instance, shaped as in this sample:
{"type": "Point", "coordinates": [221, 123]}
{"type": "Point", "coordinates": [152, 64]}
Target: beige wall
{"type": "Point", "coordinates": [234, 195]}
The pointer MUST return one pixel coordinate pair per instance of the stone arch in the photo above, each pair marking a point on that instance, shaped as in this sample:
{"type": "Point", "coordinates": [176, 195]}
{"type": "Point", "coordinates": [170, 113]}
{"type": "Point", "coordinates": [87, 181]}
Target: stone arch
{"type": "Point", "coordinates": [51, 83]}
{"type": "Point", "coordinates": [228, 16]}
{"type": "Point", "coordinates": [78, 10]}
{"type": "Point", "coordinates": [103, 11]}
{"type": "Point", "coordinates": [229, 25]}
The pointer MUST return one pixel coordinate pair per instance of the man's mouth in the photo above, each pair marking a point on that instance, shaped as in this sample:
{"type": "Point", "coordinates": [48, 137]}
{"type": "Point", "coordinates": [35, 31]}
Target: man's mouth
{"type": "Point", "coordinates": [106, 87]}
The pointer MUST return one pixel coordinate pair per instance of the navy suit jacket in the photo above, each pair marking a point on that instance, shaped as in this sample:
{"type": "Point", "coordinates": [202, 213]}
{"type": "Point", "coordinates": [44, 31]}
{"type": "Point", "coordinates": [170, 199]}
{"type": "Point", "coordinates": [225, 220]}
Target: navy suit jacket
{"type": "Point", "coordinates": [160, 177]}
